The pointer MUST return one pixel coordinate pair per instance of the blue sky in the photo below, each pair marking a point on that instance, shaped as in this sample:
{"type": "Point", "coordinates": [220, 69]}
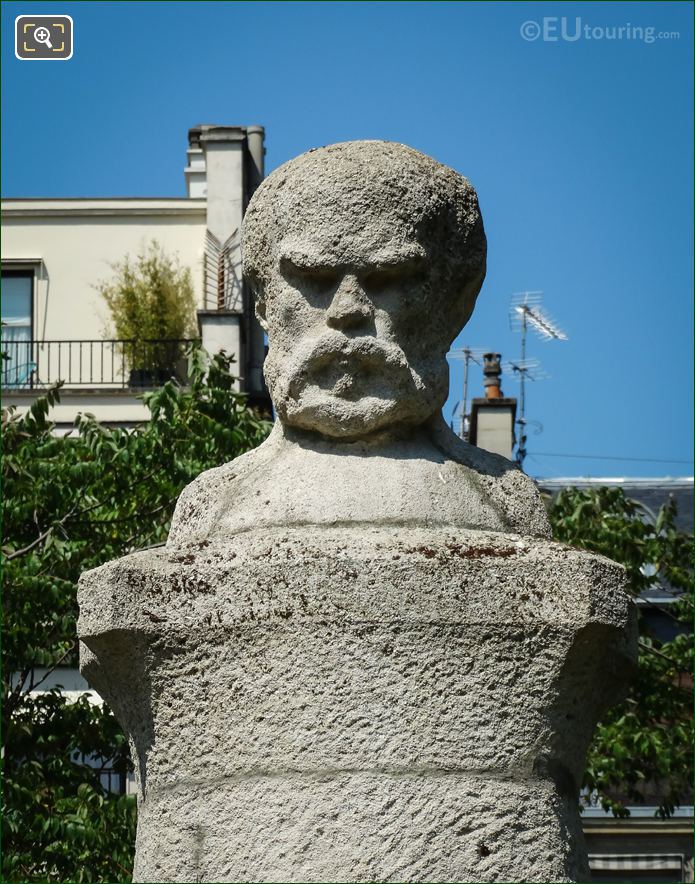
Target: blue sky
{"type": "Point", "coordinates": [581, 152]}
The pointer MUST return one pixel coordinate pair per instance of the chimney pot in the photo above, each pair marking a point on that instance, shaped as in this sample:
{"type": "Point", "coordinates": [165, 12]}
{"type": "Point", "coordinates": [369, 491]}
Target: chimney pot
{"type": "Point", "coordinates": [492, 371]}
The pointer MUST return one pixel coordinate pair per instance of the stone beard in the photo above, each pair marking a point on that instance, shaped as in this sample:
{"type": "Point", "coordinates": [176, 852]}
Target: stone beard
{"type": "Point", "coordinates": [359, 656]}
{"type": "Point", "coordinates": [366, 259]}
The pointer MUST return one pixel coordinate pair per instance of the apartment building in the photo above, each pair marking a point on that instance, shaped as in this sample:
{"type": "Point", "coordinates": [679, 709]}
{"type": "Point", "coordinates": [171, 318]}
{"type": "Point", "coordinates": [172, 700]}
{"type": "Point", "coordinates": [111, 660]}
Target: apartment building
{"type": "Point", "coordinates": [55, 324]}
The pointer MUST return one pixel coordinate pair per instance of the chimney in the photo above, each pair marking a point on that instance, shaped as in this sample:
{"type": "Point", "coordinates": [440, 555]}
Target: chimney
{"type": "Point", "coordinates": [225, 166]}
{"type": "Point", "coordinates": [196, 182]}
{"type": "Point", "coordinates": [255, 139]}
{"type": "Point", "coordinates": [493, 418]}
{"type": "Point", "coordinates": [492, 371]}
{"type": "Point", "coordinates": [224, 150]}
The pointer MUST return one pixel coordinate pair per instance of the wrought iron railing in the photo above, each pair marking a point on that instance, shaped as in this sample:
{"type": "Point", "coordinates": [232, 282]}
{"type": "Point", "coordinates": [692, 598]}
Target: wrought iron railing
{"type": "Point", "coordinates": [115, 364]}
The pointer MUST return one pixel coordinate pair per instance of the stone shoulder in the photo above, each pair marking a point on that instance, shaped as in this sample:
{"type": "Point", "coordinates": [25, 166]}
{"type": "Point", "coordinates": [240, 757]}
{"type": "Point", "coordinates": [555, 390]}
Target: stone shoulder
{"type": "Point", "coordinates": [238, 495]}
{"type": "Point", "coordinates": [510, 490]}
{"type": "Point", "coordinates": [203, 501]}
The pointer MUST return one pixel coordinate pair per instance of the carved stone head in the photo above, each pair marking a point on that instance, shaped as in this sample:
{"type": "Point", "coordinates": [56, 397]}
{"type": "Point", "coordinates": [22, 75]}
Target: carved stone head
{"type": "Point", "coordinates": [365, 259]}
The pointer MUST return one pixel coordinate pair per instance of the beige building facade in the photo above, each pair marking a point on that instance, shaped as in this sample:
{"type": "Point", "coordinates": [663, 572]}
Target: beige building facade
{"type": "Point", "coordinates": [56, 325]}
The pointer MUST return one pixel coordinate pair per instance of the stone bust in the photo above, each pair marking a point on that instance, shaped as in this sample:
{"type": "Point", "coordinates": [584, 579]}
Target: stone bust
{"type": "Point", "coordinates": [365, 259]}
{"type": "Point", "coordinates": [346, 664]}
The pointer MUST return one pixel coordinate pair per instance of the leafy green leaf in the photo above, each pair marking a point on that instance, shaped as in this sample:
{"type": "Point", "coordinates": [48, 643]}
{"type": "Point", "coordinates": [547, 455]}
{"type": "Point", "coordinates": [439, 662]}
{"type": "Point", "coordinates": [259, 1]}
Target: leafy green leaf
{"type": "Point", "coordinates": [71, 503]}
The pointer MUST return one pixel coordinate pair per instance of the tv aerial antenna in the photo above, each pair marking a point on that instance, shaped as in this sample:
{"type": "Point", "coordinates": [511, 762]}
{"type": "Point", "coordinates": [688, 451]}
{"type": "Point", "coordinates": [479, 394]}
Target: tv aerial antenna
{"type": "Point", "coordinates": [467, 355]}
{"type": "Point", "coordinates": [526, 311]}
{"type": "Point", "coordinates": [525, 370]}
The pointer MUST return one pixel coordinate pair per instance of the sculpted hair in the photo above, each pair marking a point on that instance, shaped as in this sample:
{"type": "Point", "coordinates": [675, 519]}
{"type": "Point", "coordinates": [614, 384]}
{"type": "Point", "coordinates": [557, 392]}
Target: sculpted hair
{"type": "Point", "coordinates": [378, 181]}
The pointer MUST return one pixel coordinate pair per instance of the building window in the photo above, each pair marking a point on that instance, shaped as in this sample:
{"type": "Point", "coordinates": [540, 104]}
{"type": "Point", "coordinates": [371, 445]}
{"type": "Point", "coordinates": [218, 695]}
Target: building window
{"type": "Point", "coordinates": [17, 302]}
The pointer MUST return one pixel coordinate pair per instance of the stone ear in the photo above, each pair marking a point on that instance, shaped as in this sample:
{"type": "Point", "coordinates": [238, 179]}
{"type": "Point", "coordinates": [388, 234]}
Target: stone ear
{"type": "Point", "coordinates": [259, 304]}
{"type": "Point", "coordinates": [260, 312]}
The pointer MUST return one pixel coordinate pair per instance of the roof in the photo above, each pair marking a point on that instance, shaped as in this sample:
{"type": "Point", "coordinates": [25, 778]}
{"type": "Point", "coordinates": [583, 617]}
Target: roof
{"type": "Point", "coordinates": [652, 492]}
{"type": "Point", "coordinates": [39, 207]}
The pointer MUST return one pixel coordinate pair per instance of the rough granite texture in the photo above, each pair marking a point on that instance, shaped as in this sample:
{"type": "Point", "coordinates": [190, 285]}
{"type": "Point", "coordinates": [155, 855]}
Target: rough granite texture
{"type": "Point", "coordinates": [359, 704]}
{"type": "Point", "coordinates": [359, 656]}
{"type": "Point", "coordinates": [430, 477]}
{"type": "Point", "coordinates": [366, 259]}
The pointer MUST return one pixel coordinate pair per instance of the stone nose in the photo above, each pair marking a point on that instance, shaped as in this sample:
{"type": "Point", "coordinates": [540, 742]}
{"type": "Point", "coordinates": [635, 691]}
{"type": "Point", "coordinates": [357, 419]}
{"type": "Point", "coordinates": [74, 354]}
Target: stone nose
{"type": "Point", "coordinates": [350, 306]}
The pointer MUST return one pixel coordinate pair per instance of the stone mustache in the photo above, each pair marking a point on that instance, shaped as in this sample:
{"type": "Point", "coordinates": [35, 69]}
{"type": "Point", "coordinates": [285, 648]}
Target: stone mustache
{"type": "Point", "coordinates": [359, 656]}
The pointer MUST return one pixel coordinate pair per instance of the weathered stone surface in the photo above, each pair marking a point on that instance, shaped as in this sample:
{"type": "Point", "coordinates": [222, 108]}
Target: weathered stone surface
{"type": "Point", "coordinates": [366, 258]}
{"type": "Point", "coordinates": [358, 703]}
{"type": "Point", "coordinates": [428, 477]}
{"type": "Point", "coordinates": [359, 657]}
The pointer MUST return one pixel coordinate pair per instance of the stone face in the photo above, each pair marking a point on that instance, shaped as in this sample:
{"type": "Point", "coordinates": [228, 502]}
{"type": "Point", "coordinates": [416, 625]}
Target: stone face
{"type": "Point", "coordinates": [359, 656]}
{"type": "Point", "coordinates": [379, 826]}
{"type": "Point", "coordinates": [366, 258]}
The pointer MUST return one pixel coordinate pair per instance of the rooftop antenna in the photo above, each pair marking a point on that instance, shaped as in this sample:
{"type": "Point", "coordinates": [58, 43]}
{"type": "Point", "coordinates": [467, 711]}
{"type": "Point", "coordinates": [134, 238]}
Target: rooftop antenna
{"type": "Point", "coordinates": [468, 355]}
{"type": "Point", "coordinates": [530, 369]}
{"type": "Point", "coordinates": [526, 310]}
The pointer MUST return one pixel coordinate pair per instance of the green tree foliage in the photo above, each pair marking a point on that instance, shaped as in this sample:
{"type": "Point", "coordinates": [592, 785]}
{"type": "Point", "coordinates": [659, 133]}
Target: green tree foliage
{"type": "Point", "coordinates": [641, 751]}
{"type": "Point", "coordinates": [151, 299]}
{"type": "Point", "coordinates": [72, 503]}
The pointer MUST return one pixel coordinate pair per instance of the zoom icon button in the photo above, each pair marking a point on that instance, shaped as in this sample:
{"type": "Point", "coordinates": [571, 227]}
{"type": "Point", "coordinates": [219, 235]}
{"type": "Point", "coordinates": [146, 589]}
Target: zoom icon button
{"type": "Point", "coordinates": [43, 37]}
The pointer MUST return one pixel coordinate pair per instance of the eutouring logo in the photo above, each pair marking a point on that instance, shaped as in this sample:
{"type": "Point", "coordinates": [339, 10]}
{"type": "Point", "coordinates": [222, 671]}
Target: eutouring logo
{"type": "Point", "coordinates": [554, 29]}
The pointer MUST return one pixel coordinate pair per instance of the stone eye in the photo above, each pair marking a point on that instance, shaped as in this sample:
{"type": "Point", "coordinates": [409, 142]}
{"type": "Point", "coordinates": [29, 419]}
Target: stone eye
{"type": "Point", "coordinates": [309, 276]}
{"type": "Point", "coordinates": [382, 278]}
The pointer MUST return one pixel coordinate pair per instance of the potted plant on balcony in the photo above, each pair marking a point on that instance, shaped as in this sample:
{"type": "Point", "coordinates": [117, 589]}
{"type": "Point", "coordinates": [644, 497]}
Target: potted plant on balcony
{"type": "Point", "coordinates": [152, 308]}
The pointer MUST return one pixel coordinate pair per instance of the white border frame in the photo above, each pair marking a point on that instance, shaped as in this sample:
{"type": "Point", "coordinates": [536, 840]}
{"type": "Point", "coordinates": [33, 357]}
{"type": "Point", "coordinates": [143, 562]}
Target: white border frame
{"type": "Point", "coordinates": [42, 15]}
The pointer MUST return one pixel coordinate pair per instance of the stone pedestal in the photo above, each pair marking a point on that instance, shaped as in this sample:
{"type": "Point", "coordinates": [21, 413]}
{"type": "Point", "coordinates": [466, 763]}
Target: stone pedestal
{"type": "Point", "coordinates": [358, 703]}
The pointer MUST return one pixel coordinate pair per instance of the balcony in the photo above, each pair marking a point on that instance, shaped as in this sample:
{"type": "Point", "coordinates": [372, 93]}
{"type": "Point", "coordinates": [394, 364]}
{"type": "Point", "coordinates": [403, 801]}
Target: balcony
{"type": "Point", "coordinates": [105, 365]}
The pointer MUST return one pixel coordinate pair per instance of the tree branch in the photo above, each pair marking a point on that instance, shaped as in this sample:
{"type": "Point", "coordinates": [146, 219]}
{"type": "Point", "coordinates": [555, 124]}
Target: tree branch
{"type": "Point", "coordinates": [69, 515]}
{"type": "Point", "coordinates": [53, 667]}
{"type": "Point", "coordinates": [648, 647]}
{"type": "Point", "coordinates": [21, 552]}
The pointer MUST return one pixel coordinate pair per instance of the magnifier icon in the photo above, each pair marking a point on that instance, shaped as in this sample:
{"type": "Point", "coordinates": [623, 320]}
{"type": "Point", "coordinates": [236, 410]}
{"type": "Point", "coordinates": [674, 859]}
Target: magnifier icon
{"type": "Point", "coordinates": [43, 35]}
